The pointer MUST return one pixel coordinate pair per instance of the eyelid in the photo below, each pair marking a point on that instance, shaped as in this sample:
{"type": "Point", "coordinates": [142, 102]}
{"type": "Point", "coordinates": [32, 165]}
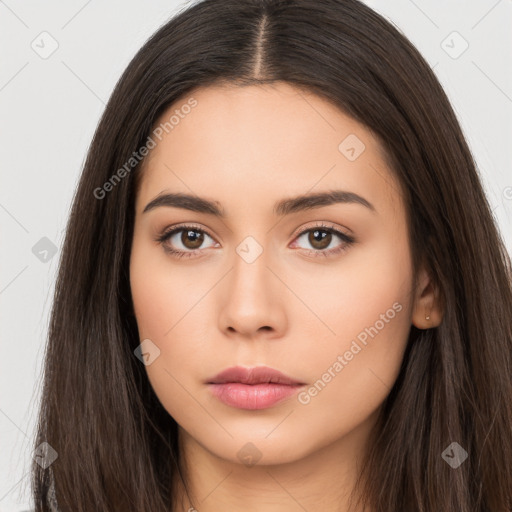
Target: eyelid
{"type": "Point", "coordinates": [322, 225]}
{"type": "Point", "coordinates": [298, 232]}
{"type": "Point", "coordinates": [182, 226]}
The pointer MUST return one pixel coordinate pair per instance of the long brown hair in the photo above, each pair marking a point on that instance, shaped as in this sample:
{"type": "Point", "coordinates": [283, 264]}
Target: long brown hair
{"type": "Point", "coordinates": [117, 447]}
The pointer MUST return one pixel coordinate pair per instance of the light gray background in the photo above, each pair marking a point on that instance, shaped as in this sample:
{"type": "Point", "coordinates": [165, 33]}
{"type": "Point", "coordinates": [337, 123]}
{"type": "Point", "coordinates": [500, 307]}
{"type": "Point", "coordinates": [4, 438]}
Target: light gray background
{"type": "Point", "coordinates": [50, 107]}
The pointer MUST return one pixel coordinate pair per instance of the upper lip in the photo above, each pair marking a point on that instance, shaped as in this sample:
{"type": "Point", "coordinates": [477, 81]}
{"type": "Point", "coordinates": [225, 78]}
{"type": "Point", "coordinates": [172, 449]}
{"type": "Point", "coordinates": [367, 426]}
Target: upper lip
{"type": "Point", "coordinates": [253, 375]}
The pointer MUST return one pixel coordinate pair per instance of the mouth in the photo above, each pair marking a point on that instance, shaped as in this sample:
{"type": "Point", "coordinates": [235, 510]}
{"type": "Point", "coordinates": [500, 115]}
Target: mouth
{"type": "Point", "coordinates": [252, 388]}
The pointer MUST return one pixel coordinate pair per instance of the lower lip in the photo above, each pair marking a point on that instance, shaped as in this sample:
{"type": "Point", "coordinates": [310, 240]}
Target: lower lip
{"type": "Point", "coordinates": [254, 396]}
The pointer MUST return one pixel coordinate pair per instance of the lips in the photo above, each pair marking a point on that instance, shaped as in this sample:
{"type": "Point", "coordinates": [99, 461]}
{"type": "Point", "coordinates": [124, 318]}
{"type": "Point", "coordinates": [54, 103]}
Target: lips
{"type": "Point", "coordinates": [254, 375]}
{"type": "Point", "coordinates": [252, 388]}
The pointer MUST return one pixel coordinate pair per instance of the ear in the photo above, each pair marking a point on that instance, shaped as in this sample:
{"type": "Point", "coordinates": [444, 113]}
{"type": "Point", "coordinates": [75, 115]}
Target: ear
{"type": "Point", "coordinates": [427, 311]}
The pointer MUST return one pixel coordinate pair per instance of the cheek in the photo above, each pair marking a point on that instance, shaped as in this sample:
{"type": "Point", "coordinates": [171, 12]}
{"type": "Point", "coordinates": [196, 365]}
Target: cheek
{"type": "Point", "coordinates": [167, 308]}
{"type": "Point", "coordinates": [160, 292]}
{"type": "Point", "coordinates": [352, 380]}
{"type": "Point", "coordinates": [368, 308]}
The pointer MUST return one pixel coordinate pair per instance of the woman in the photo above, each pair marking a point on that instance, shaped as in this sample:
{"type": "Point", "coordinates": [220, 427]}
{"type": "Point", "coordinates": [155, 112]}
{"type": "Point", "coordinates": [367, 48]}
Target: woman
{"type": "Point", "coordinates": [281, 286]}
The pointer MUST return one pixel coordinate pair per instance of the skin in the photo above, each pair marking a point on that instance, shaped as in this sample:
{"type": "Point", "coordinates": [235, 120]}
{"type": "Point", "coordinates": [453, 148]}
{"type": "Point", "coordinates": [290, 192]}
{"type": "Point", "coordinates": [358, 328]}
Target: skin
{"type": "Point", "coordinates": [247, 148]}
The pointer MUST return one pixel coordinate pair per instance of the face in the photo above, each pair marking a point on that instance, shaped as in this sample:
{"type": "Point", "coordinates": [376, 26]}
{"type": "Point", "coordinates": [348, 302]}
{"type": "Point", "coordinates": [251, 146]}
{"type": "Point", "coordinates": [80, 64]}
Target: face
{"type": "Point", "coordinates": [318, 290]}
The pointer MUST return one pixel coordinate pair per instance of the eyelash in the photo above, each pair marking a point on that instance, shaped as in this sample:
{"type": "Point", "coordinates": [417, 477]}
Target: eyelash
{"type": "Point", "coordinates": [346, 239]}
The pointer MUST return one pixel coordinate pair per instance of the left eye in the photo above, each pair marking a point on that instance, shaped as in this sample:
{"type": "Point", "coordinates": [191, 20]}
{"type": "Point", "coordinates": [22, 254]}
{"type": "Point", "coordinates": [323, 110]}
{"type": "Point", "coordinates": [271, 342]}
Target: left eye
{"type": "Point", "coordinates": [320, 238]}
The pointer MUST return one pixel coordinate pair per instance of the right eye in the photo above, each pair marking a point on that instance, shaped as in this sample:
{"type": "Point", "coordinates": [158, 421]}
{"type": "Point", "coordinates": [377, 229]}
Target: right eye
{"type": "Point", "coordinates": [190, 237]}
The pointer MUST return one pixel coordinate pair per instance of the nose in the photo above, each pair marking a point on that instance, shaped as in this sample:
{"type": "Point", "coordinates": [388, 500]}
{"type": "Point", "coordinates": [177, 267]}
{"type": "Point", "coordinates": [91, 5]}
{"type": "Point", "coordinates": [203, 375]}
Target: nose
{"type": "Point", "coordinates": [252, 300]}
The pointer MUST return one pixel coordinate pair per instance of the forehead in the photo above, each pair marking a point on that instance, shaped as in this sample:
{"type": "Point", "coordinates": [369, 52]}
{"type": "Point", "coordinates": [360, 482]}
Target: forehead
{"type": "Point", "coordinates": [238, 143]}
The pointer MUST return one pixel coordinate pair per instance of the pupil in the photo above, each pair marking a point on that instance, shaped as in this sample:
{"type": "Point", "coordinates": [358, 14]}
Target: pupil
{"type": "Point", "coordinates": [323, 241]}
{"type": "Point", "coordinates": [193, 238]}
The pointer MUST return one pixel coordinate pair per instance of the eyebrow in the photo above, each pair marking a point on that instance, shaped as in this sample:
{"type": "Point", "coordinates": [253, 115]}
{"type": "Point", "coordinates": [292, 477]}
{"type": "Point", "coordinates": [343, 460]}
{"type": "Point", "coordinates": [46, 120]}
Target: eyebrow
{"type": "Point", "coordinates": [281, 208]}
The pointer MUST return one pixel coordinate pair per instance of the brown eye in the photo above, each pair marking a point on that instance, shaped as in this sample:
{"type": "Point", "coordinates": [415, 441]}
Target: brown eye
{"type": "Point", "coordinates": [319, 238]}
{"type": "Point", "coordinates": [191, 238]}
{"type": "Point", "coordinates": [184, 241]}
